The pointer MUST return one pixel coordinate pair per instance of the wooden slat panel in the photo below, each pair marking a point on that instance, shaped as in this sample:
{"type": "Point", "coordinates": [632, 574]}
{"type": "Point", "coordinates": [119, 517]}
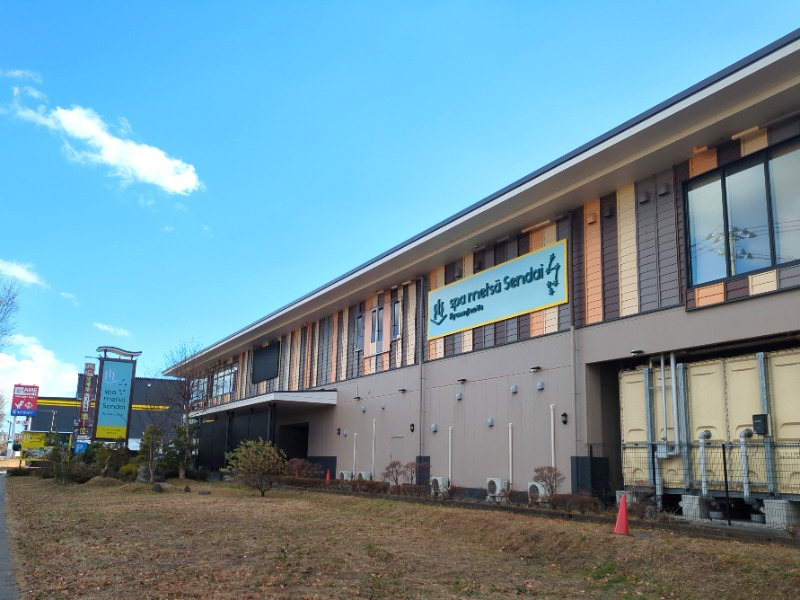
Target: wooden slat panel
{"type": "Point", "coordinates": [398, 353]}
{"type": "Point", "coordinates": [466, 341]}
{"type": "Point", "coordinates": [628, 253]}
{"type": "Point", "coordinates": [754, 142]}
{"type": "Point", "coordinates": [647, 250]}
{"type": "Point", "coordinates": [386, 299]}
{"type": "Point", "coordinates": [411, 321]}
{"type": "Point", "coordinates": [536, 240]}
{"type": "Point", "coordinates": [729, 152]}
{"type": "Point", "coordinates": [550, 319]}
{"type": "Point", "coordinates": [562, 232]}
{"type": "Point", "coordinates": [593, 261]}
{"type": "Point", "coordinates": [667, 241]}
{"type": "Point", "coordinates": [702, 162]}
{"type": "Point", "coordinates": [789, 277]}
{"type": "Point", "coordinates": [549, 235]}
{"type": "Point", "coordinates": [710, 294]}
{"type": "Point", "coordinates": [294, 377]}
{"type": "Point", "coordinates": [680, 174]}
{"type": "Point", "coordinates": [608, 224]}
{"type": "Point", "coordinates": [335, 344]}
{"type": "Point", "coordinates": [578, 292]}
{"type": "Point", "coordinates": [537, 323]}
{"type": "Point", "coordinates": [344, 345]}
{"type": "Point", "coordinates": [468, 268]}
{"type": "Point", "coordinates": [763, 282]}
{"type": "Point", "coordinates": [737, 288]}
{"type": "Point", "coordinates": [783, 130]}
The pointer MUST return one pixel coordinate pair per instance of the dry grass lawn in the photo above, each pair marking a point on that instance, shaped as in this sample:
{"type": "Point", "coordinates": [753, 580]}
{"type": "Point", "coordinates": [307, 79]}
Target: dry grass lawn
{"type": "Point", "coordinates": [104, 540]}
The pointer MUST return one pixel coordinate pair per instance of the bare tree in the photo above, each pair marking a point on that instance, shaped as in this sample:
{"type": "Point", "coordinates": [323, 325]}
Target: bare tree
{"type": "Point", "coordinates": [181, 394]}
{"type": "Point", "coordinates": [9, 293]}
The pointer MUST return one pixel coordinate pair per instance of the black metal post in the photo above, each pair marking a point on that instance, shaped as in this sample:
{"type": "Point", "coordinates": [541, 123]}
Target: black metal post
{"type": "Point", "coordinates": [727, 494]}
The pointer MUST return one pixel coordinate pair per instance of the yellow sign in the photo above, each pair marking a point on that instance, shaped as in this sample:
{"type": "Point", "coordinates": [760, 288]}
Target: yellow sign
{"type": "Point", "coordinates": [35, 444]}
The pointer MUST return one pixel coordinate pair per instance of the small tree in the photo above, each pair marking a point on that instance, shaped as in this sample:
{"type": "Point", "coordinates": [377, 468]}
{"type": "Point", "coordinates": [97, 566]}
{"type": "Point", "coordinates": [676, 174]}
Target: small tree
{"type": "Point", "coordinates": [410, 471]}
{"type": "Point", "coordinates": [110, 457]}
{"type": "Point", "coordinates": [150, 449]}
{"type": "Point", "coordinates": [393, 472]}
{"type": "Point", "coordinates": [256, 463]}
{"type": "Point", "coordinates": [550, 477]}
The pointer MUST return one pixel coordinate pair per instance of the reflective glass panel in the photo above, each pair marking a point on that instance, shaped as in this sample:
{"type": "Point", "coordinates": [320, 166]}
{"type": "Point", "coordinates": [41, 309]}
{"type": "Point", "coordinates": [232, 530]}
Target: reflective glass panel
{"type": "Point", "coordinates": [706, 230]}
{"type": "Point", "coordinates": [784, 174]}
{"type": "Point", "coordinates": [748, 224]}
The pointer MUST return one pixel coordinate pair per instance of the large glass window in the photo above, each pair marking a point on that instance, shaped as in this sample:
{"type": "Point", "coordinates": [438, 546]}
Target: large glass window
{"type": "Point", "coordinates": [224, 380]}
{"type": "Point", "coordinates": [377, 324]}
{"type": "Point", "coordinates": [784, 177]}
{"type": "Point", "coordinates": [199, 389]}
{"type": "Point", "coordinates": [745, 217]}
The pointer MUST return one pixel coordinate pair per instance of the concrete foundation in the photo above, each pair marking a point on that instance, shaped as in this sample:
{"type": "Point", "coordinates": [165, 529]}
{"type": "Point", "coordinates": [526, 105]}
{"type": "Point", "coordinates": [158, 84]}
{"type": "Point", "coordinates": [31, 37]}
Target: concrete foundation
{"type": "Point", "coordinates": [781, 514]}
{"type": "Point", "coordinates": [694, 507]}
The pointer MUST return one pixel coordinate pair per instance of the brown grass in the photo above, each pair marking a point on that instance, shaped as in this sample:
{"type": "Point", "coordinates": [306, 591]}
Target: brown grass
{"type": "Point", "coordinates": [127, 542]}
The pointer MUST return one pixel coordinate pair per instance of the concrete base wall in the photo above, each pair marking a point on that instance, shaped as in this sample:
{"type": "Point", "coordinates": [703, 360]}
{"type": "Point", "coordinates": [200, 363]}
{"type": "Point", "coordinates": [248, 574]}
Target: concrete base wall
{"type": "Point", "coordinates": [781, 514]}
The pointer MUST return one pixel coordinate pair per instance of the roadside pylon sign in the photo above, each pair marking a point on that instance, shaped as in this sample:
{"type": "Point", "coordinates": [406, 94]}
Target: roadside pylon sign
{"type": "Point", "coordinates": [25, 400]}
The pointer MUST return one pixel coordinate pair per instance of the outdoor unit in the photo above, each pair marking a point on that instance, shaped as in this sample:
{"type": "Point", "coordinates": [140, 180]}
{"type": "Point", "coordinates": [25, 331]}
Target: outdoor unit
{"type": "Point", "coordinates": [494, 486]}
{"type": "Point", "coordinates": [345, 475]}
{"type": "Point", "coordinates": [536, 492]}
{"type": "Point", "coordinates": [365, 475]}
{"type": "Point", "coordinates": [439, 485]}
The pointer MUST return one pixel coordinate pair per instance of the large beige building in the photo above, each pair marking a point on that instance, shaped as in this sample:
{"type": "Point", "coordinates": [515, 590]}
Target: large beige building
{"type": "Point", "coordinates": [547, 323]}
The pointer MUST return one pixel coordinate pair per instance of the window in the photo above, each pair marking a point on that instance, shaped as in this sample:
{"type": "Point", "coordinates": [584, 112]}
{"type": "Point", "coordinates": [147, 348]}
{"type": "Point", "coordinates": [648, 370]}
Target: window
{"type": "Point", "coordinates": [359, 332]}
{"type": "Point", "coordinates": [199, 389]}
{"type": "Point", "coordinates": [224, 380]}
{"type": "Point", "coordinates": [377, 324]}
{"type": "Point", "coordinates": [746, 216]}
{"type": "Point", "coordinates": [396, 319]}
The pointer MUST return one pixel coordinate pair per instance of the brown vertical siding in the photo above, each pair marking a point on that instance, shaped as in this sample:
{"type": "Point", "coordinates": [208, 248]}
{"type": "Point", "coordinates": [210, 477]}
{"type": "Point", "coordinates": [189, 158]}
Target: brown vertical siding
{"type": "Point", "coordinates": [669, 293]}
{"type": "Point", "coordinates": [710, 294]}
{"type": "Point", "coordinates": [729, 152]}
{"type": "Point", "coordinates": [647, 249]}
{"type": "Point", "coordinates": [737, 288]}
{"type": "Point", "coordinates": [335, 344]}
{"type": "Point", "coordinates": [411, 316]}
{"type": "Point", "coordinates": [703, 161]}
{"type": "Point", "coordinates": [681, 175]}
{"type": "Point", "coordinates": [789, 277]}
{"type": "Point", "coordinates": [578, 281]}
{"type": "Point", "coordinates": [628, 254]}
{"type": "Point", "coordinates": [608, 216]}
{"type": "Point", "coordinates": [783, 130]}
{"type": "Point", "coordinates": [593, 262]}
{"type": "Point", "coordinates": [558, 317]}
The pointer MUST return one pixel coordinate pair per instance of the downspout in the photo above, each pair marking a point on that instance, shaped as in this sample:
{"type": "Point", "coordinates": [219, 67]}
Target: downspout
{"type": "Point", "coordinates": [648, 415]}
{"type": "Point", "coordinates": [372, 472]}
{"type": "Point", "coordinates": [510, 456]}
{"type": "Point", "coordinates": [574, 353]}
{"type": "Point", "coordinates": [701, 444]}
{"type": "Point", "coordinates": [552, 435]}
{"type": "Point", "coordinates": [769, 448]}
{"type": "Point", "coordinates": [743, 437]}
{"type": "Point", "coordinates": [676, 431]}
{"type": "Point", "coordinates": [422, 315]}
{"type": "Point", "coordinates": [355, 443]}
{"type": "Point", "coordinates": [688, 476]}
{"type": "Point", "coordinates": [450, 454]}
{"type": "Point", "coordinates": [663, 400]}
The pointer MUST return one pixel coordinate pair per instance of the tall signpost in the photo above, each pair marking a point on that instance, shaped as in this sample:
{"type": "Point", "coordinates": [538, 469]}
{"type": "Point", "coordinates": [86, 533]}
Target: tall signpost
{"type": "Point", "coordinates": [23, 404]}
{"type": "Point", "coordinates": [114, 394]}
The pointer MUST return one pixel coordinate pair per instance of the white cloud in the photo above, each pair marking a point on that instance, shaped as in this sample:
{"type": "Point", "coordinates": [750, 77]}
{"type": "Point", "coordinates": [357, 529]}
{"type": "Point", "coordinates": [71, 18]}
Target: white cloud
{"type": "Point", "coordinates": [168, 228]}
{"type": "Point", "coordinates": [207, 231]}
{"type": "Point", "coordinates": [181, 207]}
{"type": "Point", "coordinates": [146, 202]}
{"type": "Point", "coordinates": [118, 331]}
{"type": "Point", "coordinates": [21, 74]}
{"type": "Point", "coordinates": [129, 160]}
{"type": "Point", "coordinates": [71, 297]}
{"type": "Point", "coordinates": [23, 273]}
{"type": "Point", "coordinates": [26, 360]}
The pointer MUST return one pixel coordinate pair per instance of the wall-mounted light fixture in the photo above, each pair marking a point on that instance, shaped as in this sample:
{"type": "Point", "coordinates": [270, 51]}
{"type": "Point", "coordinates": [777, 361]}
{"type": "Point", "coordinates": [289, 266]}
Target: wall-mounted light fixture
{"type": "Point", "coordinates": [338, 431]}
{"type": "Point", "coordinates": [564, 418]}
{"type": "Point", "coordinates": [357, 398]}
{"type": "Point", "coordinates": [402, 390]}
{"type": "Point", "coordinates": [462, 380]}
{"type": "Point", "coordinates": [459, 395]}
{"type": "Point", "coordinates": [434, 427]}
{"type": "Point", "coordinates": [536, 369]}
{"type": "Point", "coordinates": [636, 352]}
{"type": "Point", "coordinates": [383, 406]}
{"type": "Point", "coordinates": [490, 422]}
{"type": "Point", "coordinates": [540, 385]}
{"type": "Point", "coordinates": [344, 432]}
{"type": "Point", "coordinates": [363, 408]}
{"type": "Point", "coordinates": [411, 427]}
{"type": "Point", "coordinates": [514, 389]}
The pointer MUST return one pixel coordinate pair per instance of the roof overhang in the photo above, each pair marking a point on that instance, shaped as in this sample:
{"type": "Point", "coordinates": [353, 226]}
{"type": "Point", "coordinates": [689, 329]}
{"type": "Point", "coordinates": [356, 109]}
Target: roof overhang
{"type": "Point", "coordinates": [756, 91]}
{"type": "Point", "coordinates": [294, 400]}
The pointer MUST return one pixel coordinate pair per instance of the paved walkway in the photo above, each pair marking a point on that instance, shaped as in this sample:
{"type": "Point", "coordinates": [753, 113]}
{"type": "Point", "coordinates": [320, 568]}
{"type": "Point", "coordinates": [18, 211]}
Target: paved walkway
{"type": "Point", "coordinates": [8, 587]}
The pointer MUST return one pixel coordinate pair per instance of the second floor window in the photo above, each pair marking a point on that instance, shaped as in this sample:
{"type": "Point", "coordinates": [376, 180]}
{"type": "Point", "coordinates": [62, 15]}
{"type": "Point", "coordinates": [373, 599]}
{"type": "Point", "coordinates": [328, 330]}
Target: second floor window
{"type": "Point", "coordinates": [377, 324]}
{"type": "Point", "coordinates": [224, 380]}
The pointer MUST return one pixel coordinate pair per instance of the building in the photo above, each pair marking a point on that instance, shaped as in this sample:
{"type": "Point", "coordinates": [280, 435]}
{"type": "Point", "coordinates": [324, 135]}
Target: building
{"type": "Point", "coordinates": [154, 402]}
{"type": "Point", "coordinates": [545, 325]}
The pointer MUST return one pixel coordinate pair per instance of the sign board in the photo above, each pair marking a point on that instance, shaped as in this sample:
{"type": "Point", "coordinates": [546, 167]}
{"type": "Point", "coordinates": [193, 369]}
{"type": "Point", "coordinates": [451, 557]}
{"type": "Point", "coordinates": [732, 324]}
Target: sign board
{"type": "Point", "coordinates": [113, 407]}
{"type": "Point", "coordinates": [23, 403]}
{"type": "Point", "coordinates": [87, 397]}
{"type": "Point", "coordinates": [36, 444]}
{"type": "Point", "coordinates": [531, 282]}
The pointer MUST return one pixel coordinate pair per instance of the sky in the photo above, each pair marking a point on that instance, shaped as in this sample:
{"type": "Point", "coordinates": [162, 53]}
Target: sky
{"type": "Point", "coordinates": [171, 172]}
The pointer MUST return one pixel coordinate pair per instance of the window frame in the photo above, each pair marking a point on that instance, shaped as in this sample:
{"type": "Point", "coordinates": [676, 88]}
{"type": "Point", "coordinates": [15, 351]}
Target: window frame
{"type": "Point", "coordinates": [762, 158]}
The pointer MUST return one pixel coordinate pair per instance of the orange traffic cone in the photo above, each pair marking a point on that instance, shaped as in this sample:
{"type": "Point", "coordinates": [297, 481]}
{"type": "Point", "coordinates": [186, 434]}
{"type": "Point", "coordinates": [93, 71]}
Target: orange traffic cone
{"type": "Point", "coordinates": [622, 516]}
{"type": "Point", "coordinates": [328, 475]}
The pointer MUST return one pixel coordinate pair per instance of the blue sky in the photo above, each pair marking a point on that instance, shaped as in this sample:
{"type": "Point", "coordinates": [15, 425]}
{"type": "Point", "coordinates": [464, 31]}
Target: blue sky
{"type": "Point", "coordinates": [174, 171]}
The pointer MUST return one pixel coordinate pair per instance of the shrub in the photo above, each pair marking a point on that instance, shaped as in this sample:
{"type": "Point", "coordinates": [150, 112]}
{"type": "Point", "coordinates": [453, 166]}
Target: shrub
{"type": "Point", "coordinates": [550, 477]}
{"type": "Point", "coordinates": [256, 463]}
{"type": "Point", "coordinates": [197, 474]}
{"type": "Point", "coordinates": [19, 471]}
{"type": "Point", "coordinates": [393, 472]}
{"type": "Point", "coordinates": [129, 472]}
{"type": "Point", "coordinates": [300, 467]}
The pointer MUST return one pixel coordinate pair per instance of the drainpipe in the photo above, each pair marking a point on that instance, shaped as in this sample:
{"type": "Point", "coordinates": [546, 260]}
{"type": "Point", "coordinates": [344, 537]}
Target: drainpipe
{"type": "Point", "coordinates": [704, 435]}
{"type": "Point", "coordinates": [450, 454]}
{"type": "Point", "coordinates": [674, 388]}
{"type": "Point", "coordinates": [421, 344]}
{"type": "Point", "coordinates": [355, 443]}
{"type": "Point", "coordinates": [552, 435]}
{"type": "Point", "coordinates": [743, 437]}
{"type": "Point", "coordinates": [664, 399]}
{"type": "Point", "coordinates": [769, 448]}
{"type": "Point", "coordinates": [688, 476]}
{"type": "Point", "coordinates": [373, 448]}
{"type": "Point", "coordinates": [510, 456]}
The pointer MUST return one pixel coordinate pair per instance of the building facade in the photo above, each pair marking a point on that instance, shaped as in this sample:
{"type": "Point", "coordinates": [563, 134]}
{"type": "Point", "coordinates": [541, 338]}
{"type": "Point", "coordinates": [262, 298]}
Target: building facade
{"type": "Point", "coordinates": [545, 325]}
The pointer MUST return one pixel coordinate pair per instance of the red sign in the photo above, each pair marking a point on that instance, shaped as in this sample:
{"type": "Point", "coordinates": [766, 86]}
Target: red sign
{"type": "Point", "coordinates": [24, 401]}
{"type": "Point", "coordinates": [86, 400]}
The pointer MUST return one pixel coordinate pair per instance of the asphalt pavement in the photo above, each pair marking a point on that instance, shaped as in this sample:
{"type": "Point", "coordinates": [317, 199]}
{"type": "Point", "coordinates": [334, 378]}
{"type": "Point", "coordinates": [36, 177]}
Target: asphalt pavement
{"type": "Point", "coordinates": [8, 587]}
